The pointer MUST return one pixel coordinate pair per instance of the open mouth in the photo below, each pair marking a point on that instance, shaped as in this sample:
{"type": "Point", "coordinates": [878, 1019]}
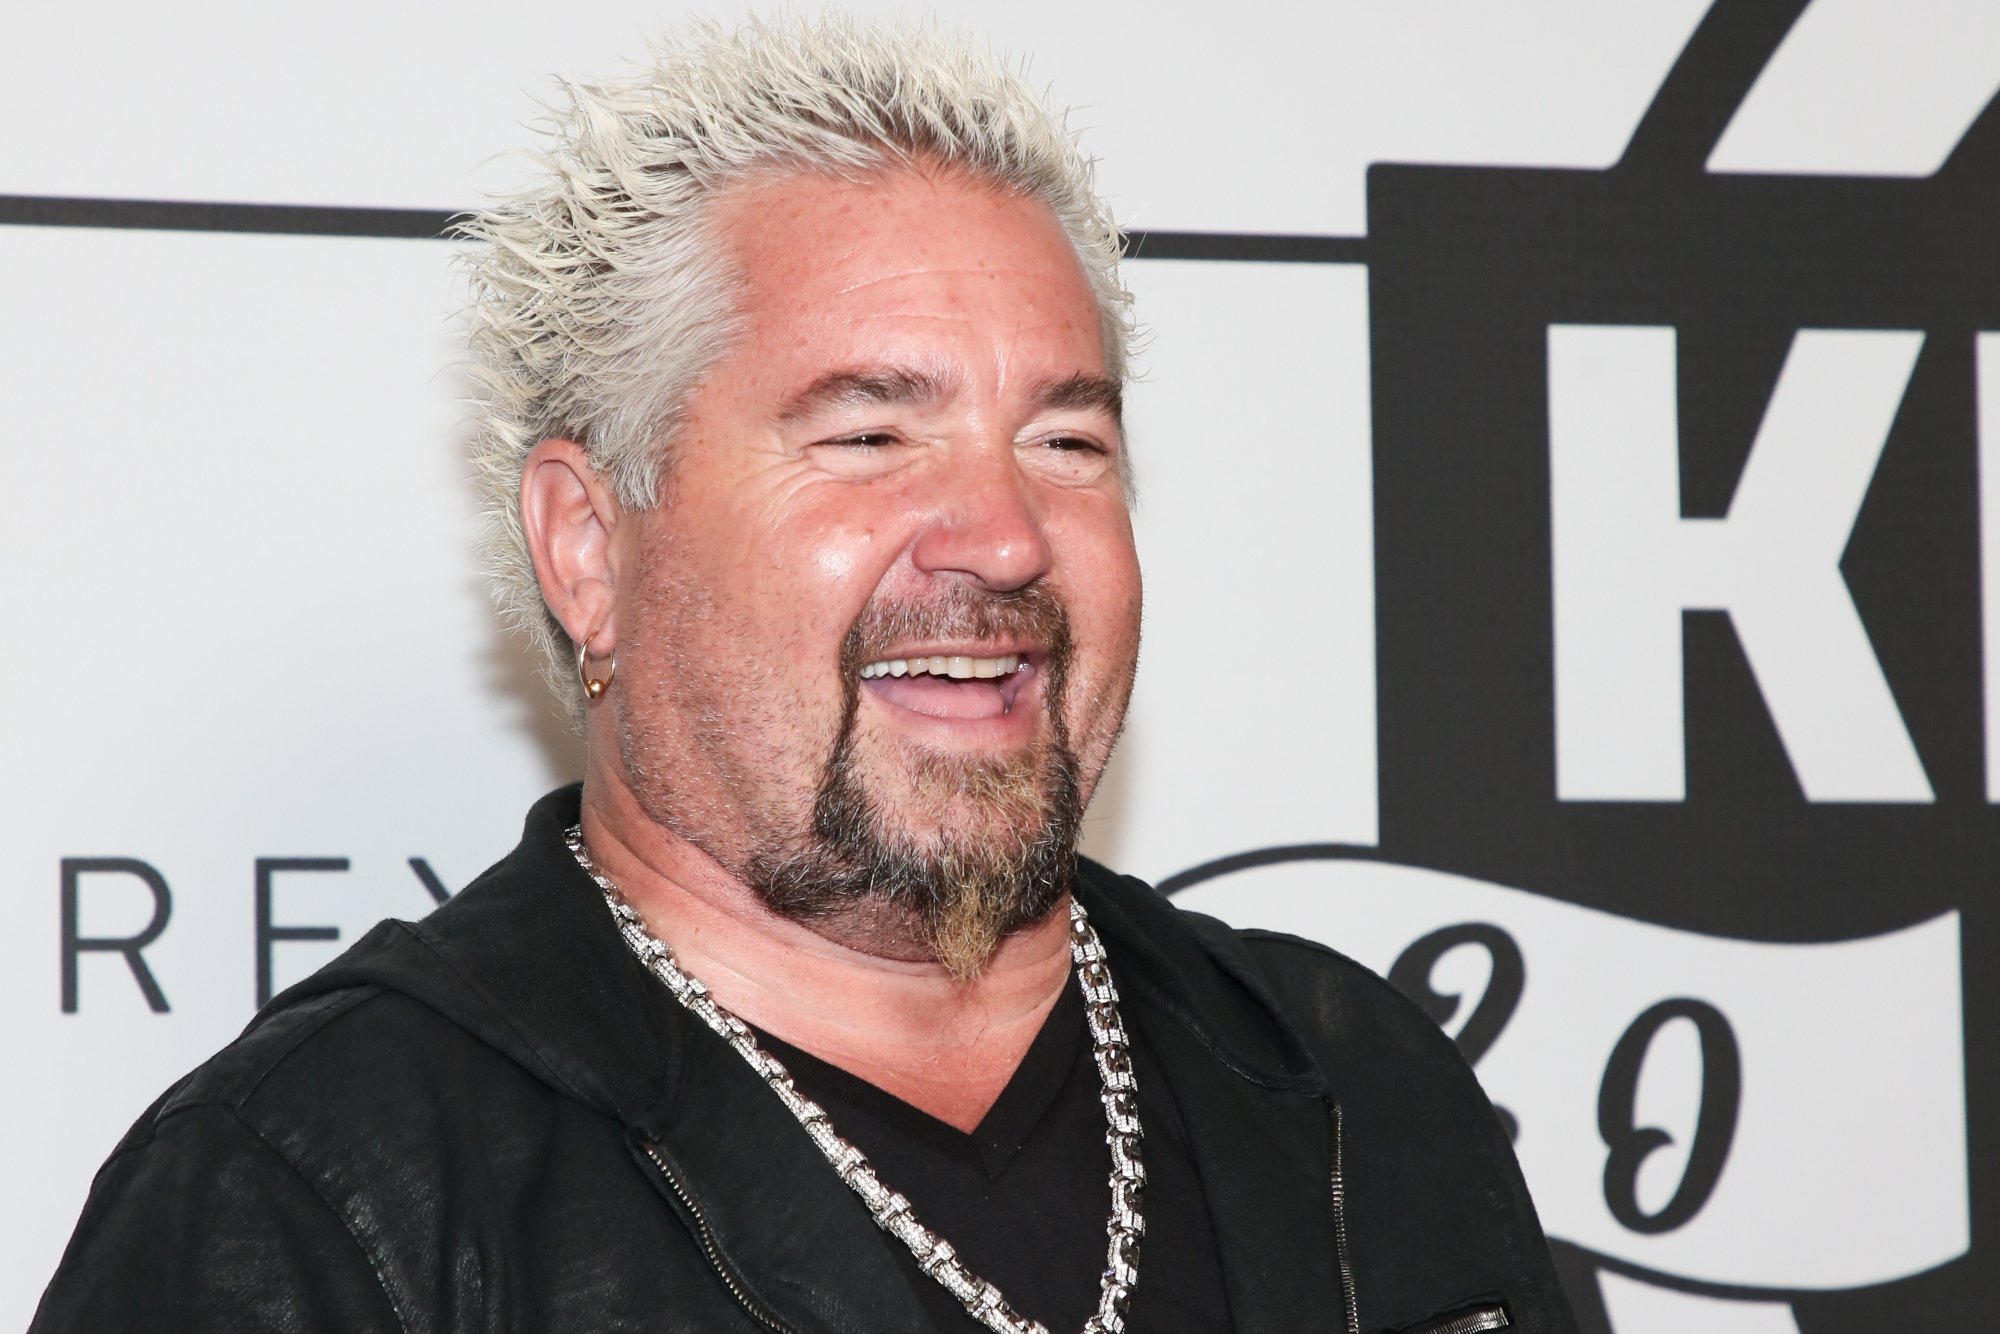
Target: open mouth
{"type": "Point", "coordinates": [951, 685]}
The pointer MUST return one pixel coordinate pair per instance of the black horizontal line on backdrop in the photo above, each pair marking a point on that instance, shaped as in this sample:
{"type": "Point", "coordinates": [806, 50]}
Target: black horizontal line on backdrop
{"type": "Point", "coordinates": [1270, 249]}
{"type": "Point", "coordinates": [419, 224]}
{"type": "Point", "coordinates": [170, 215]}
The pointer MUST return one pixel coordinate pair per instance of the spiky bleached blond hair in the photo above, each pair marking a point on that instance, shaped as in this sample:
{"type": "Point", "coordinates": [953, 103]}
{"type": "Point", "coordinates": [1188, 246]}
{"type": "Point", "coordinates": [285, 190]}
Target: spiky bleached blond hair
{"type": "Point", "coordinates": [601, 293]}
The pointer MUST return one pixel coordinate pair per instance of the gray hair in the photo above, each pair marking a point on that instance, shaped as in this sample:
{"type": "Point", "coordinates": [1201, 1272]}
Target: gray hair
{"type": "Point", "coordinates": [600, 295]}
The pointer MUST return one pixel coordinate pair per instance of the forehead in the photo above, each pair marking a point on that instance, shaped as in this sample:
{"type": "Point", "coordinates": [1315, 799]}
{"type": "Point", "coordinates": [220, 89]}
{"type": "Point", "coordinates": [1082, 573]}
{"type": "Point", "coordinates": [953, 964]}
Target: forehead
{"type": "Point", "coordinates": [912, 266]}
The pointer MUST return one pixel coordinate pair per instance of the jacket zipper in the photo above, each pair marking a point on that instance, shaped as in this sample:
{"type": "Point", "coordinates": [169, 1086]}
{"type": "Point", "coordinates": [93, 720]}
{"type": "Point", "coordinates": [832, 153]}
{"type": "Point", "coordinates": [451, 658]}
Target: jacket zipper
{"type": "Point", "coordinates": [1339, 1190]}
{"type": "Point", "coordinates": [757, 1309]}
{"type": "Point", "coordinates": [1473, 1322]}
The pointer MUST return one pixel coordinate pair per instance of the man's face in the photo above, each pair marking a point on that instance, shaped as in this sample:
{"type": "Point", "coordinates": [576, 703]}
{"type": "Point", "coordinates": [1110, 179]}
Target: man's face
{"type": "Point", "coordinates": [879, 640]}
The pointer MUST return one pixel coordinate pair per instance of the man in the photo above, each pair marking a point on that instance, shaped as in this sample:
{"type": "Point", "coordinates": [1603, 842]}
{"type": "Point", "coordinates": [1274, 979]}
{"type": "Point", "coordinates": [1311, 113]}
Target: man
{"type": "Point", "coordinates": [802, 378]}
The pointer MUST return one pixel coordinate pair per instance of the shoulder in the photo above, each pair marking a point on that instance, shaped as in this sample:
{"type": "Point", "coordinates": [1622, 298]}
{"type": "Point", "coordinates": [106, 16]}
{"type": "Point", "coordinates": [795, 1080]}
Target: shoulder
{"type": "Point", "coordinates": [1305, 973]}
{"type": "Point", "coordinates": [303, 1147]}
{"type": "Point", "coordinates": [1344, 1011]}
{"type": "Point", "coordinates": [1304, 997]}
{"type": "Point", "coordinates": [204, 1183]}
{"type": "Point", "coordinates": [234, 1077]}
{"type": "Point", "coordinates": [321, 1080]}
{"type": "Point", "coordinates": [1312, 988]}
{"type": "Point", "coordinates": [315, 1047]}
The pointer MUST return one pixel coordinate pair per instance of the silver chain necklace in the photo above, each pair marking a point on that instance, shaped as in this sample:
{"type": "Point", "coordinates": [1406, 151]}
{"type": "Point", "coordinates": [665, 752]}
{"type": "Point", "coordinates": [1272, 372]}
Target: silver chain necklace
{"type": "Point", "coordinates": [891, 1211]}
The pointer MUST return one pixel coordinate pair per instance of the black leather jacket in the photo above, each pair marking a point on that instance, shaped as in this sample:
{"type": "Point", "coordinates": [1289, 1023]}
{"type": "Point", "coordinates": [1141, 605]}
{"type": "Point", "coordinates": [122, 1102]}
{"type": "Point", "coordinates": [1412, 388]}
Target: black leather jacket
{"type": "Point", "coordinates": [494, 1119]}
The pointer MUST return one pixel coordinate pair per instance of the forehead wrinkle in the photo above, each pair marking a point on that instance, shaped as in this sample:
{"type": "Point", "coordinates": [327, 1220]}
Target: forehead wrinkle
{"type": "Point", "coordinates": [921, 270]}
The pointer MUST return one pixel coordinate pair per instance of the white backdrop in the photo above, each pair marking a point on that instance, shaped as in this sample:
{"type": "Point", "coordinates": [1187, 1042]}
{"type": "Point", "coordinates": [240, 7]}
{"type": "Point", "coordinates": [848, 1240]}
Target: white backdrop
{"type": "Point", "coordinates": [248, 623]}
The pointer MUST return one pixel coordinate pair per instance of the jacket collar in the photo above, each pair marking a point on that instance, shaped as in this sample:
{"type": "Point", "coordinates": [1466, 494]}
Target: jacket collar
{"type": "Point", "coordinates": [1194, 970]}
{"type": "Point", "coordinates": [528, 960]}
{"type": "Point", "coordinates": [1256, 1106]}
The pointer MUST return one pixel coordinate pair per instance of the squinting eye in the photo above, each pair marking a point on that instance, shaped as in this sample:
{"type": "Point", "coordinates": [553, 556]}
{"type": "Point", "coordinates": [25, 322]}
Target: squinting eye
{"type": "Point", "coordinates": [866, 439]}
{"type": "Point", "coordinates": [1072, 460]}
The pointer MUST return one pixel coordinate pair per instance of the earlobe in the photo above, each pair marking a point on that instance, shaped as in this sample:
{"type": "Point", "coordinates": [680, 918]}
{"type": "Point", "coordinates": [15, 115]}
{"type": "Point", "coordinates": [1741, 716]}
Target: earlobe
{"type": "Point", "coordinates": [567, 518]}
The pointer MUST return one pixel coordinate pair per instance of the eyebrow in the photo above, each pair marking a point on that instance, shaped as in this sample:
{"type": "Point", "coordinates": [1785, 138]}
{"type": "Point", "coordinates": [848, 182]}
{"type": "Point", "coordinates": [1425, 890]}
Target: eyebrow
{"type": "Point", "coordinates": [889, 385]}
{"type": "Point", "coordinates": [1098, 393]}
{"type": "Point", "coordinates": [907, 386]}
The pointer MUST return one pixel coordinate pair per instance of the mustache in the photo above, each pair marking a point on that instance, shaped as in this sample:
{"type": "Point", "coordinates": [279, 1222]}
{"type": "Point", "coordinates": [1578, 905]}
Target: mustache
{"type": "Point", "coordinates": [1032, 613]}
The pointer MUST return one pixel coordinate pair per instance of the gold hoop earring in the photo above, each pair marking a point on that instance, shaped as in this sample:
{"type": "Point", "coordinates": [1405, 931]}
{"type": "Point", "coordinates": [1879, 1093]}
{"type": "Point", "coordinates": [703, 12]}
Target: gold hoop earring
{"type": "Point", "coordinates": [594, 687]}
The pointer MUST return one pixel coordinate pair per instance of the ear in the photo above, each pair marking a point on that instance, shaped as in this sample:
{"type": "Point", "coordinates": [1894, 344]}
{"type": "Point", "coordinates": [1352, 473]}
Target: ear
{"type": "Point", "coordinates": [568, 516]}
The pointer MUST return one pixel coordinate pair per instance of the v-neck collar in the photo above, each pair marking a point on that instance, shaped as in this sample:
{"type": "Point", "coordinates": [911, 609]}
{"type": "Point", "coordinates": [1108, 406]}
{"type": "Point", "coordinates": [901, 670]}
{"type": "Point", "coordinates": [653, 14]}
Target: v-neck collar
{"type": "Point", "coordinates": [992, 1145]}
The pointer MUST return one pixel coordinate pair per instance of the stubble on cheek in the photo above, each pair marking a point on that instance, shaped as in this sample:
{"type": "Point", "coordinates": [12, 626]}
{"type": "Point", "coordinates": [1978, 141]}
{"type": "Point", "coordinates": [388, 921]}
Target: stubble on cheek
{"type": "Point", "coordinates": [717, 745]}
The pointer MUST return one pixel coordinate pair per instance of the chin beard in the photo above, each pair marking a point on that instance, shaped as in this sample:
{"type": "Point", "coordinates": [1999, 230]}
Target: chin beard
{"type": "Point", "coordinates": [944, 886]}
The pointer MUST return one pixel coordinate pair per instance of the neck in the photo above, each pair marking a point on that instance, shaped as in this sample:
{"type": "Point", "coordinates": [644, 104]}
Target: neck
{"type": "Point", "coordinates": [946, 1046]}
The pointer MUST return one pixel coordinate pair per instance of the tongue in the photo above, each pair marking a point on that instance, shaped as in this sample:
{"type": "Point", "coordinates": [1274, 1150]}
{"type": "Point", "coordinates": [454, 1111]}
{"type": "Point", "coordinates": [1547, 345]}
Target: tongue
{"type": "Point", "coordinates": [940, 697]}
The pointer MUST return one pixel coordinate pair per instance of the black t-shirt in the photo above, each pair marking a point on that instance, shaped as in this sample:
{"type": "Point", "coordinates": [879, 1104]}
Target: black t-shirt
{"type": "Point", "coordinates": [1024, 1198]}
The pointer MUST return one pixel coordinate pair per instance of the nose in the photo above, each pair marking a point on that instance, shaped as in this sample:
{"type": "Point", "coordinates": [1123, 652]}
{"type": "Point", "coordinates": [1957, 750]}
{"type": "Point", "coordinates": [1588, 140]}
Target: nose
{"type": "Point", "coordinates": [984, 524]}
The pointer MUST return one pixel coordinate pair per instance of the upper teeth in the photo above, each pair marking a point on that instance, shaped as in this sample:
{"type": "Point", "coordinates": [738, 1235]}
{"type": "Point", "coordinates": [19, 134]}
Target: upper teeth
{"type": "Point", "coordinates": [958, 667]}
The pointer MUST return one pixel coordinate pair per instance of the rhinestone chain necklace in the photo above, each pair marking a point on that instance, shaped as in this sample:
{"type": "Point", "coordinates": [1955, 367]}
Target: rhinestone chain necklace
{"type": "Point", "coordinates": [890, 1210]}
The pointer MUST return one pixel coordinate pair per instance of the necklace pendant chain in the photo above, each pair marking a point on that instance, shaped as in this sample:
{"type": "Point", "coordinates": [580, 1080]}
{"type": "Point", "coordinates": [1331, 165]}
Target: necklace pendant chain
{"type": "Point", "coordinates": [1110, 1046]}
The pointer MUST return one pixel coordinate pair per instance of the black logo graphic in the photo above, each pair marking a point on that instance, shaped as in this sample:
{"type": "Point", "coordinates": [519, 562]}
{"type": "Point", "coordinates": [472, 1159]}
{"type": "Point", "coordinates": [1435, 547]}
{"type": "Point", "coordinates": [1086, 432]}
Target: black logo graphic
{"type": "Point", "coordinates": [1761, 299]}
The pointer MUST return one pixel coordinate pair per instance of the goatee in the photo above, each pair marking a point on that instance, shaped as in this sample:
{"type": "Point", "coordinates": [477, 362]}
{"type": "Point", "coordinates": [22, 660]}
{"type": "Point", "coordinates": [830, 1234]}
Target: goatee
{"type": "Point", "coordinates": [955, 888]}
